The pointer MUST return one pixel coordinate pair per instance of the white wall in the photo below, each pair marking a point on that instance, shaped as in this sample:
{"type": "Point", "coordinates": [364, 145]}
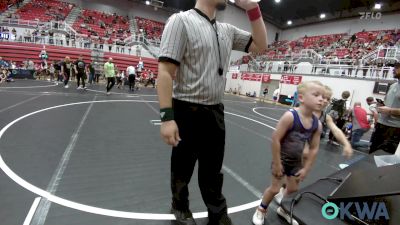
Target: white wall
{"type": "Point", "coordinates": [359, 89]}
{"type": "Point", "coordinates": [388, 21]}
{"type": "Point", "coordinates": [238, 17]}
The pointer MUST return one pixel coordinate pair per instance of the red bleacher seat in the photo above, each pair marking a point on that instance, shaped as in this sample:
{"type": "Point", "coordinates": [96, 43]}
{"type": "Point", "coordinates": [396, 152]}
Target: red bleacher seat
{"type": "Point", "coordinates": [45, 10]}
{"type": "Point", "coordinates": [94, 24]}
{"type": "Point", "coordinates": [153, 29]}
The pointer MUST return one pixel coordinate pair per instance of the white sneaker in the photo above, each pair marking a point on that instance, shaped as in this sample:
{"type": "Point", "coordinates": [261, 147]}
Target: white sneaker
{"type": "Point", "coordinates": [66, 86]}
{"type": "Point", "coordinates": [108, 93]}
{"type": "Point", "coordinates": [258, 217]}
{"type": "Point", "coordinates": [85, 88]}
{"type": "Point", "coordinates": [286, 216]}
{"type": "Point", "coordinates": [79, 88]}
{"type": "Point", "coordinates": [342, 166]}
{"type": "Point", "coordinates": [278, 197]}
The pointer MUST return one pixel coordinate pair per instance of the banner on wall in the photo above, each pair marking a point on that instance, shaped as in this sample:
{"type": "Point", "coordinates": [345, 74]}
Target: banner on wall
{"type": "Point", "coordinates": [265, 78]}
{"type": "Point", "coordinates": [235, 76]}
{"type": "Point", "coordinates": [291, 79]}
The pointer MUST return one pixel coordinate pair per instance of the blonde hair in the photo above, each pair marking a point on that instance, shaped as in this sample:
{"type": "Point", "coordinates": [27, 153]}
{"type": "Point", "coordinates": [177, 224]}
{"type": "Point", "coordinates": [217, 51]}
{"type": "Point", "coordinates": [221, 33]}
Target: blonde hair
{"type": "Point", "coordinates": [328, 91]}
{"type": "Point", "coordinates": [304, 86]}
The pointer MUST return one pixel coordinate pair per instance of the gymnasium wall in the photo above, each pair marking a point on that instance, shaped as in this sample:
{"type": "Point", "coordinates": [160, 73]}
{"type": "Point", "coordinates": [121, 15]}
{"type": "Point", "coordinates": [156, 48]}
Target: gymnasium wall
{"type": "Point", "coordinates": [238, 17]}
{"type": "Point", "coordinates": [359, 89]}
{"type": "Point", "coordinates": [388, 21]}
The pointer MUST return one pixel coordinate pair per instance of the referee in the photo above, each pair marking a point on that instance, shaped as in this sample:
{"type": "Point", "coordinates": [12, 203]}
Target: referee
{"type": "Point", "coordinates": [194, 58]}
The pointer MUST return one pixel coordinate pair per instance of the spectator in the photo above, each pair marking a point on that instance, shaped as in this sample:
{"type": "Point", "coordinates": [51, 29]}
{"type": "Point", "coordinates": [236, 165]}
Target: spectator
{"type": "Point", "coordinates": [3, 63]}
{"type": "Point", "coordinates": [138, 50]}
{"type": "Point", "coordinates": [360, 126]}
{"type": "Point", "coordinates": [276, 94]}
{"type": "Point", "coordinates": [387, 131]}
{"type": "Point", "coordinates": [373, 113]}
{"type": "Point", "coordinates": [337, 110]}
{"type": "Point", "coordinates": [265, 93]}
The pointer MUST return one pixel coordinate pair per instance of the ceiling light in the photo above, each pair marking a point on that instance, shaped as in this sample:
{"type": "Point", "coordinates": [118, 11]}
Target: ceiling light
{"type": "Point", "coordinates": [378, 6]}
{"type": "Point", "coordinates": [289, 22]}
{"type": "Point", "coordinates": [277, 1]}
{"type": "Point", "coordinates": [322, 16]}
{"type": "Point", "coordinates": [147, 2]}
{"type": "Point", "coordinates": [232, 1]}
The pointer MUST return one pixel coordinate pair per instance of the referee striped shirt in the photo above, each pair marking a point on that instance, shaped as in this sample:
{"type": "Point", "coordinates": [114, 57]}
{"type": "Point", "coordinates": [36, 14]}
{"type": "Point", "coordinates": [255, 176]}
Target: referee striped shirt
{"type": "Point", "coordinates": [189, 41]}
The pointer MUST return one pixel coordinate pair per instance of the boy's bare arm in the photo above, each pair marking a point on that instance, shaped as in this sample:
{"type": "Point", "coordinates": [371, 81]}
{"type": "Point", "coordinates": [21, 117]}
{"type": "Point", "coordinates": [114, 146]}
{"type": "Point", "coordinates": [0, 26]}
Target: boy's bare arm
{"type": "Point", "coordinates": [339, 135]}
{"type": "Point", "coordinates": [284, 124]}
{"type": "Point", "coordinates": [314, 147]}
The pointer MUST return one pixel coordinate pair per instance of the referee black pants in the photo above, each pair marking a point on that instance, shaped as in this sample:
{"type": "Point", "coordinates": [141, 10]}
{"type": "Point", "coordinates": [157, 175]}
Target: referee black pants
{"type": "Point", "coordinates": [132, 78]}
{"type": "Point", "coordinates": [202, 130]}
{"type": "Point", "coordinates": [79, 77]}
{"type": "Point", "coordinates": [110, 83]}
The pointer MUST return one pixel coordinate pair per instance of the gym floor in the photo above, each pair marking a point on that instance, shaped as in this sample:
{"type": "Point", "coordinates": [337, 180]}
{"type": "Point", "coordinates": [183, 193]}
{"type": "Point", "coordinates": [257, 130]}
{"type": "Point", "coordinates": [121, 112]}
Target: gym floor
{"type": "Point", "coordinates": [100, 159]}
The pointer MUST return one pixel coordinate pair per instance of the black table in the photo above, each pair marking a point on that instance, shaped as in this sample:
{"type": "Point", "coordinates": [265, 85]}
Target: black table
{"type": "Point", "coordinates": [22, 74]}
{"type": "Point", "coordinates": [308, 209]}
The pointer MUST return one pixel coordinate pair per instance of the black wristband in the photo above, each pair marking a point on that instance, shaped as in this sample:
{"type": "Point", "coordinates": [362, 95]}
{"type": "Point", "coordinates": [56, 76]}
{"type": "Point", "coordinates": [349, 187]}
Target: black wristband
{"type": "Point", "coordinates": [166, 114]}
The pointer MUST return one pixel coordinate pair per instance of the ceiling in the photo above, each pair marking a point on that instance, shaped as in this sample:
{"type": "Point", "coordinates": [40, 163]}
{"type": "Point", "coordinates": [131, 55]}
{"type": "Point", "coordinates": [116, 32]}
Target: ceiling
{"type": "Point", "coordinates": [302, 12]}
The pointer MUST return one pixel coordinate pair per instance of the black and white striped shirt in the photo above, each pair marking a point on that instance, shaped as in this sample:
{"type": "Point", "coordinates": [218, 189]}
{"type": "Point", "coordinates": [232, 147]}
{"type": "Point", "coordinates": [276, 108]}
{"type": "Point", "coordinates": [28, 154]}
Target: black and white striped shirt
{"type": "Point", "coordinates": [189, 40]}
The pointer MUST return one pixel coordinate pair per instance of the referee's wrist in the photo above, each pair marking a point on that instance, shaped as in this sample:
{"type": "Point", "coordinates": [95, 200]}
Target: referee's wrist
{"type": "Point", "coordinates": [166, 114]}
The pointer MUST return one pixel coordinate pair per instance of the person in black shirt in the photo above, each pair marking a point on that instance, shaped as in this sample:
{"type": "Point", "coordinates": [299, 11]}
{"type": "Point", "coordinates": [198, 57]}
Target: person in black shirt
{"type": "Point", "coordinates": [66, 69]}
{"type": "Point", "coordinates": [91, 72]}
{"type": "Point", "coordinates": [57, 71]}
{"type": "Point", "coordinates": [80, 69]}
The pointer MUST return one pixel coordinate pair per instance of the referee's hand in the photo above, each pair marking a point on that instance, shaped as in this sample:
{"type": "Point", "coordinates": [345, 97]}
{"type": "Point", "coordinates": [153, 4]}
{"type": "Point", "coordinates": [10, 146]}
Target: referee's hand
{"type": "Point", "coordinates": [170, 133]}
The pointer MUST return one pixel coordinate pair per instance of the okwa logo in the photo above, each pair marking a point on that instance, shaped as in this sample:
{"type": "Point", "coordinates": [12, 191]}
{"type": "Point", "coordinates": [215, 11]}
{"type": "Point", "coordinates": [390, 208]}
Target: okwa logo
{"type": "Point", "coordinates": [376, 211]}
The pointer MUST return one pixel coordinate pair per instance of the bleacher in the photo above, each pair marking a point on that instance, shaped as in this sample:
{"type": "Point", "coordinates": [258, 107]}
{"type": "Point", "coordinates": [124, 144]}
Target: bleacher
{"type": "Point", "coordinates": [5, 4]}
{"type": "Point", "coordinates": [333, 45]}
{"type": "Point", "coordinates": [45, 10]}
{"type": "Point", "coordinates": [93, 21]}
{"type": "Point", "coordinates": [123, 61]}
{"type": "Point", "coordinates": [153, 29]}
{"type": "Point", "coordinates": [19, 52]}
{"type": "Point", "coordinates": [3, 7]}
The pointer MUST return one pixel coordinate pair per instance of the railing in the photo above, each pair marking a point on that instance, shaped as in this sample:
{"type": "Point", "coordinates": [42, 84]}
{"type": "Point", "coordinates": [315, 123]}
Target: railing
{"type": "Point", "coordinates": [34, 24]}
{"type": "Point", "coordinates": [370, 72]}
{"type": "Point", "coordinates": [391, 53]}
{"type": "Point", "coordinates": [141, 38]}
{"type": "Point", "coordinates": [71, 43]}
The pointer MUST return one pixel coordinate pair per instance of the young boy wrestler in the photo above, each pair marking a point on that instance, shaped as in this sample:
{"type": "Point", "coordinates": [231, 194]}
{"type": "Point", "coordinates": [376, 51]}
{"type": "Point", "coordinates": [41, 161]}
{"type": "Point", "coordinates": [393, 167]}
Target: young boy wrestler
{"type": "Point", "coordinates": [295, 128]}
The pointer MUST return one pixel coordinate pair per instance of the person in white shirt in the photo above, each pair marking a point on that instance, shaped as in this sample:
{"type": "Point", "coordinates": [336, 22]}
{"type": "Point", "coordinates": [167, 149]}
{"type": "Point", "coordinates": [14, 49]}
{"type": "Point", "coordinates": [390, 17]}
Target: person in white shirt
{"type": "Point", "coordinates": [276, 94]}
{"type": "Point", "coordinates": [131, 72]}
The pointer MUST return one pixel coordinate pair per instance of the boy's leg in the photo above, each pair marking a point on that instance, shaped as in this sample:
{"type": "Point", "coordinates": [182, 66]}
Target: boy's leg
{"type": "Point", "coordinates": [269, 193]}
{"type": "Point", "coordinates": [292, 185]}
{"type": "Point", "coordinates": [272, 190]}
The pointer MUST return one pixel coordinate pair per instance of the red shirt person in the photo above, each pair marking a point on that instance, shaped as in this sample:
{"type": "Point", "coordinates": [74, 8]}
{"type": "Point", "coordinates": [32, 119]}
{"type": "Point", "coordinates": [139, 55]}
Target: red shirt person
{"type": "Point", "coordinates": [360, 126]}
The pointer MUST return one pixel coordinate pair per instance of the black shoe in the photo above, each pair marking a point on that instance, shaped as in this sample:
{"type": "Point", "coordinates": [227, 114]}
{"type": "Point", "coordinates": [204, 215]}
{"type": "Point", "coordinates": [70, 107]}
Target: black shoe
{"type": "Point", "coordinates": [223, 220]}
{"type": "Point", "coordinates": [182, 217]}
